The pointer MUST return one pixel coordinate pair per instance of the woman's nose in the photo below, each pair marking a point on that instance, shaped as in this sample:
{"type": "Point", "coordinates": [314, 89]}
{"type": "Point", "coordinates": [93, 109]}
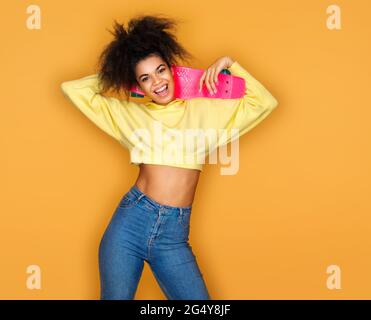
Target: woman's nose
{"type": "Point", "coordinates": [156, 82]}
{"type": "Point", "coordinates": [156, 79]}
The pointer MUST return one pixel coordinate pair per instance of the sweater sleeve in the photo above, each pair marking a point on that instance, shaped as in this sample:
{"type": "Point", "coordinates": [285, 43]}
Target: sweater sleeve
{"type": "Point", "coordinates": [244, 113]}
{"type": "Point", "coordinates": [105, 112]}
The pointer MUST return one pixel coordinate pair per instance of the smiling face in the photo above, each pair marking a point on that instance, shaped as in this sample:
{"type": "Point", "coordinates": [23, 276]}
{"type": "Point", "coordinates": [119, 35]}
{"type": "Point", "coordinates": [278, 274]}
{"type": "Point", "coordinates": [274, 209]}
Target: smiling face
{"type": "Point", "coordinates": [153, 74]}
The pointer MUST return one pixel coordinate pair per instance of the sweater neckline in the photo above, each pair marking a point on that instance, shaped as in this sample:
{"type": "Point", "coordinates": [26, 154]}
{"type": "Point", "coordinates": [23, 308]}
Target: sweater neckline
{"type": "Point", "coordinates": [154, 105]}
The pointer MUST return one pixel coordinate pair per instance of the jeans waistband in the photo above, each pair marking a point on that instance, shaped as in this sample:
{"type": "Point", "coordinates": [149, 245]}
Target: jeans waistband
{"type": "Point", "coordinates": [134, 190]}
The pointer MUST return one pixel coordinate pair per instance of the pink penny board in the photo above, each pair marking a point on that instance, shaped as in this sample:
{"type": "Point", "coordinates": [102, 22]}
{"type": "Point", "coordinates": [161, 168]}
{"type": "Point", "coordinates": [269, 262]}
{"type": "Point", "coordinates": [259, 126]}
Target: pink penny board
{"type": "Point", "coordinates": [187, 82]}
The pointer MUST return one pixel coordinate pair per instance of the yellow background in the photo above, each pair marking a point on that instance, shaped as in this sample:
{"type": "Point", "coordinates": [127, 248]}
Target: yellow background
{"type": "Point", "coordinates": [299, 203]}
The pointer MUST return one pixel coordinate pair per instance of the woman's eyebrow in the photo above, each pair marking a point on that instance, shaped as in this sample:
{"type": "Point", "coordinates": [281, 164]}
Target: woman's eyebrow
{"type": "Point", "coordinates": [146, 74]}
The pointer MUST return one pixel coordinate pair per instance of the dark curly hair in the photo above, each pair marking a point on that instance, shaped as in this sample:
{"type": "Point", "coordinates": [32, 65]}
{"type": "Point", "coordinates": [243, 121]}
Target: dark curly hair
{"type": "Point", "coordinates": [146, 35]}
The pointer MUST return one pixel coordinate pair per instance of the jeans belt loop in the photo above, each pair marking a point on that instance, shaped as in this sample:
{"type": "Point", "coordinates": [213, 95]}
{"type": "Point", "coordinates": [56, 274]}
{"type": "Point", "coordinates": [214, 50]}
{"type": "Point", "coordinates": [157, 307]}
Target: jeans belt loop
{"type": "Point", "coordinates": [140, 197]}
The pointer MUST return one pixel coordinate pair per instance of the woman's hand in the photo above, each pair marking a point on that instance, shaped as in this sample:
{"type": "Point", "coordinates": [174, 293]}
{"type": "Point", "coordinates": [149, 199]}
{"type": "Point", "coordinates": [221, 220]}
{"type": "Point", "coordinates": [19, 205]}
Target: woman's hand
{"type": "Point", "coordinates": [210, 75]}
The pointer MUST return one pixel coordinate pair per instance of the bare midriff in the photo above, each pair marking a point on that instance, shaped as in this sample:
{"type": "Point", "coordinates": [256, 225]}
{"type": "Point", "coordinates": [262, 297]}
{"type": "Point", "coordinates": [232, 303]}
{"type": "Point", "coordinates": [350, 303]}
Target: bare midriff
{"type": "Point", "coordinates": [172, 186]}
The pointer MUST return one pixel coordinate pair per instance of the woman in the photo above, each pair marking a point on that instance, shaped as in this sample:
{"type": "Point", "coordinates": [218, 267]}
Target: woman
{"type": "Point", "coordinates": [152, 220]}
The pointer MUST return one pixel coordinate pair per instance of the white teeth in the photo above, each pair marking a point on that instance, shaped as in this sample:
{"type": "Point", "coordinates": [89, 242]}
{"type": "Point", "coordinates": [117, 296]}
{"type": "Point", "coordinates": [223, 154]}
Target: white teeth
{"type": "Point", "coordinates": [161, 89]}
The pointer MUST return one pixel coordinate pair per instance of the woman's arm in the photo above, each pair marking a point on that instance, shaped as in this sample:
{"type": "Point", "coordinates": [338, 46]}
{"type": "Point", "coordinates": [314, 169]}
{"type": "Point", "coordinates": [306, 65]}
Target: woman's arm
{"type": "Point", "coordinates": [84, 93]}
{"type": "Point", "coordinates": [255, 105]}
{"type": "Point", "coordinates": [244, 113]}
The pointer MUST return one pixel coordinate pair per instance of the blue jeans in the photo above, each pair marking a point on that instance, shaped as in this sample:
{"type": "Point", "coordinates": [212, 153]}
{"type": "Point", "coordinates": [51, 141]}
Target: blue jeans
{"type": "Point", "coordinates": [142, 229]}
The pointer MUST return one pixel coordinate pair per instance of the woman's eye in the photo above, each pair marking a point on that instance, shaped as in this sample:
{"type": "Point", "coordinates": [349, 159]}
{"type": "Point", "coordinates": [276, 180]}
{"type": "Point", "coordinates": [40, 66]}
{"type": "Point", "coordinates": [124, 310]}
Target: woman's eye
{"type": "Point", "coordinates": [161, 70]}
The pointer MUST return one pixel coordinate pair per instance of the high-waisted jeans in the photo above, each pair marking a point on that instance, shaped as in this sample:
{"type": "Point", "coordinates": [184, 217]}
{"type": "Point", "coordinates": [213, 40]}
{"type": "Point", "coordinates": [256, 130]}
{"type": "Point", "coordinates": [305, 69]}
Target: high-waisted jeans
{"type": "Point", "coordinates": [142, 229]}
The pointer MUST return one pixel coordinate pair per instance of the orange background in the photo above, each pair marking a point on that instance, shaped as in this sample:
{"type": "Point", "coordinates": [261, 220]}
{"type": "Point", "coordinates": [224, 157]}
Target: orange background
{"type": "Point", "coordinates": [299, 203]}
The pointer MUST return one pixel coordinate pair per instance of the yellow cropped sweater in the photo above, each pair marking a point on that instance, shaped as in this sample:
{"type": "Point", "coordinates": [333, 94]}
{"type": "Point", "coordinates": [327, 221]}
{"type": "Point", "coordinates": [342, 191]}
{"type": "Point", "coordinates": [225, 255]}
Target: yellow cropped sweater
{"type": "Point", "coordinates": [180, 134]}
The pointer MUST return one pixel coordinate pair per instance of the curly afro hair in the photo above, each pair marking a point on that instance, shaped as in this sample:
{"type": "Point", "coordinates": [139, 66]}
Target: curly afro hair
{"type": "Point", "coordinates": [146, 35]}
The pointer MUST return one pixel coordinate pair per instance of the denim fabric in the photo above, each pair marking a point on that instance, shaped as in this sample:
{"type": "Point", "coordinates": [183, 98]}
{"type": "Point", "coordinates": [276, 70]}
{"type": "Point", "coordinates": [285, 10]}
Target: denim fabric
{"type": "Point", "coordinates": [141, 230]}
